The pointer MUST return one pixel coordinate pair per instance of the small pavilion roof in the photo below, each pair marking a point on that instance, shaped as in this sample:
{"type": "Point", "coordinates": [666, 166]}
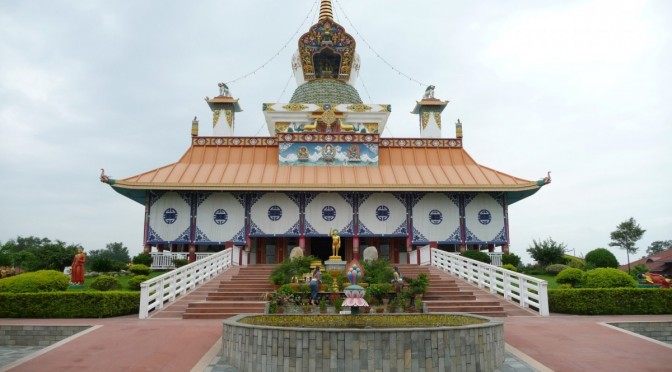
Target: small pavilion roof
{"type": "Point", "coordinates": [255, 168]}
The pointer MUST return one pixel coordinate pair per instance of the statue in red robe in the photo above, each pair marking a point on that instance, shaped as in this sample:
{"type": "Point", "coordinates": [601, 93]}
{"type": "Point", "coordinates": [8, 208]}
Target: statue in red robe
{"type": "Point", "coordinates": [77, 270]}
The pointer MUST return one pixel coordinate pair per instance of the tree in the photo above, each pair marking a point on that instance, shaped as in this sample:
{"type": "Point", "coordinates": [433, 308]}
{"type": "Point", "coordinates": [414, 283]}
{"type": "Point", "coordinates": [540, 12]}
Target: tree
{"type": "Point", "coordinates": [625, 236]}
{"type": "Point", "coordinates": [113, 258]}
{"type": "Point", "coordinates": [601, 257]}
{"type": "Point", "coordinates": [547, 252]}
{"type": "Point", "coordinates": [33, 253]}
{"type": "Point", "coordinates": [658, 246]}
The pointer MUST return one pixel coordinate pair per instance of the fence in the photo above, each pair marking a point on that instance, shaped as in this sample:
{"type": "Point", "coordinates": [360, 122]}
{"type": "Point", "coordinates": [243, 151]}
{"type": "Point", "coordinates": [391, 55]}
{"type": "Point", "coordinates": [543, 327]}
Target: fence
{"type": "Point", "coordinates": [526, 291]}
{"type": "Point", "coordinates": [164, 260]}
{"type": "Point", "coordinates": [157, 292]}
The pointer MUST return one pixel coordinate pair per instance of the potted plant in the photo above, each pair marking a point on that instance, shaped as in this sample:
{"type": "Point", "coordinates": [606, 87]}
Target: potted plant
{"type": "Point", "coordinates": [393, 305]}
{"type": "Point", "coordinates": [379, 309]}
{"type": "Point", "coordinates": [338, 304]}
{"type": "Point", "coordinates": [323, 305]}
{"type": "Point", "coordinates": [417, 304]}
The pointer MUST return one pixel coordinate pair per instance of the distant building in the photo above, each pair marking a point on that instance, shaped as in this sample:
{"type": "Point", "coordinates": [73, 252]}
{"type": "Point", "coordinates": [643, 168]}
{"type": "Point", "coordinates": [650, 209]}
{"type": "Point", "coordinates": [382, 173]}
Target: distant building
{"type": "Point", "coordinates": [325, 166]}
{"type": "Point", "coordinates": [659, 263]}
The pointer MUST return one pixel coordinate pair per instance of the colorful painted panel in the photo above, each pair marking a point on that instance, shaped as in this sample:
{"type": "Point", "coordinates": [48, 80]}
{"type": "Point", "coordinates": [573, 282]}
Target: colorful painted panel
{"type": "Point", "coordinates": [326, 211]}
{"type": "Point", "coordinates": [220, 217]}
{"type": "Point", "coordinates": [311, 154]}
{"type": "Point", "coordinates": [169, 218]}
{"type": "Point", "coordinates": [274, 214]}
{"type": "Point", "coordinates": [382, 214]}
{"type": "Point", "coordinates": [484, 219]}
{"type": "Point", "coordinates": [436, 217]}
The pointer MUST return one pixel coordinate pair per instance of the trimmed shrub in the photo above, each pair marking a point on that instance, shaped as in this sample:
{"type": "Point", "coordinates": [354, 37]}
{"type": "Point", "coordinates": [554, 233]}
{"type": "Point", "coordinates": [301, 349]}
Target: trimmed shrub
{"type": "Point", "coordinates": [570, 276]}
{"type": "Point", "coordinates": [601, 257]}
{"type": "Point", "coordinates": [139, 269]}
{"type": "Point", "coordinates": [37, 281]}
{"type": "Point", "coordinates": [509, 267]}
{"type": "Point", "coordinates": [608, 278]}
{"type": "Point", "coordinates": [555, 269]}
{"type": "Point", "coordinates": [179, 262]}
{"type": "Point", "coordinates": [574, 262]}
{"type": "Point", "coordinates": [511, 259]}
{"type": "Point", "coordinates": [87, 304]}
{"type": "Point", "coordinates": [134, 282]}
{"type": "Point", "coordinates": [610, 301]}
{"type": "Point", "coordinates": [106, 283]}
{"type": "Point", "coordinates": [143, 259]}
{"type": "Point", "coordinates": [476, 255]}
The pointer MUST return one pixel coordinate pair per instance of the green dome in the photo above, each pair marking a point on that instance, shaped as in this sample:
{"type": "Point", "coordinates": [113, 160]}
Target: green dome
{"type": "Point", "coordinates": [322, 91]}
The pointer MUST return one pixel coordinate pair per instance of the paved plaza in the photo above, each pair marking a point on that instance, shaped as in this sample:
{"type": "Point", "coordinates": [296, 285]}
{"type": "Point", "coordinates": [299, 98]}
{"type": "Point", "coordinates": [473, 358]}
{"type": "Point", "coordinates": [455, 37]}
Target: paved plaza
{"type": "Point", "coordinates": [555, 343]}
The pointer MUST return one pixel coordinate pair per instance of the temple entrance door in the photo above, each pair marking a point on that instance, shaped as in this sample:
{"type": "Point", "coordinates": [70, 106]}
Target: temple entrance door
{"type": "Point", "coordinates": [321, 248]}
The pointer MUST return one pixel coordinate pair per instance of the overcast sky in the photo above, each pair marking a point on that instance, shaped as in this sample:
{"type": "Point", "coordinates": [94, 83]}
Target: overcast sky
{"type": "Point", "coordinates": [580, 88]}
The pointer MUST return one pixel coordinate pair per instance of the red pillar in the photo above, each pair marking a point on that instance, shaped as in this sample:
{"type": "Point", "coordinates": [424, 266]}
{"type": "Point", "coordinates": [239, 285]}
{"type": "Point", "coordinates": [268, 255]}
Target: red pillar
{"type": "Point", "coordinates": [192, 253]}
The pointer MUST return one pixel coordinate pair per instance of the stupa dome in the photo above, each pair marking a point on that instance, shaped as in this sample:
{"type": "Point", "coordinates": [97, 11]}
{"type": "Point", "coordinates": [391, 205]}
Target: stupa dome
{"type": "Point", "coordinates": [322, 91]}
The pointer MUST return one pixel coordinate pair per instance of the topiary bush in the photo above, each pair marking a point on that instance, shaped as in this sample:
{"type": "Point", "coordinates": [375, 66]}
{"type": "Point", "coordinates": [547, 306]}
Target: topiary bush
{"type": "Point", "coordinates": [574, 262]}
{"type": "Point", "coordinates": [511, 259]}
{"type": "Point", "coordinates": [608, 278]}
{"type": "Point", "coordinates": [570, 276]}
{"type": "Point", "coordinates": [476, 255]}
{"type": "Point", "coordinates": [139, 269]}
{"type": "Point", "coordinates": [179, 262]}
{"type": "Point", "coordinates": [106, 283]}
{"type": "Point", "coordinates": [510, 267]}
{"type": "Point", "coordinates": [134, 282]}
{"type": "Point", "coordinates": [143, 259]}
{"type": "Point", "coordinates": [37, 281]}
{"type": "Point", "coordinates": [601, 257]}
{"type": "Point", "coordinates": [555, 269]}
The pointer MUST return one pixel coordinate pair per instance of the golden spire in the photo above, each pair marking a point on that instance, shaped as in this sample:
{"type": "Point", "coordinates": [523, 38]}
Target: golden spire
{"type": "Point", "coordinates": [325, 11]}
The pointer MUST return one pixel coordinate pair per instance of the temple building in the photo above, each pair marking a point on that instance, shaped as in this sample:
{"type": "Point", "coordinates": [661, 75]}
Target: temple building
{"type": "Point", "coordinates": [325, 166]}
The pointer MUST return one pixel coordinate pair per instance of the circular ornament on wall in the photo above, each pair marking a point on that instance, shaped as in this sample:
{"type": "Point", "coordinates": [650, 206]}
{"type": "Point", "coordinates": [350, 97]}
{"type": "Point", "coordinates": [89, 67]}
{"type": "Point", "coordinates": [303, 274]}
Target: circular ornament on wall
{"type": "Point", "coordinates": [170, 216]}
{"type": "Point", "coordinates": [484, 216]}
{"type": "Point", "coordinates": [221, 216]}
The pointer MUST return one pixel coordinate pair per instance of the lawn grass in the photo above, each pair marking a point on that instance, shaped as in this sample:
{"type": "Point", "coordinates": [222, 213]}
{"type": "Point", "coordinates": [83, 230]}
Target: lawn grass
{"type": "Point", "coordinates": [122, 279]}
{"type": "Point", "coordinates": [549, 278]}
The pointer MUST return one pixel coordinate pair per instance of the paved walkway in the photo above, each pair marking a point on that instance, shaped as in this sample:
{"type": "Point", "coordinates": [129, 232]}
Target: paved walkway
{"type": "Point", "coordinates": [558, 343]}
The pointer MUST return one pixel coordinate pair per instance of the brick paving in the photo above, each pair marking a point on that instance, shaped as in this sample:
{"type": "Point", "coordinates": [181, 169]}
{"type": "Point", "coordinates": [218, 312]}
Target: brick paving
{"type": "Point", "coordinates": [558, 342]}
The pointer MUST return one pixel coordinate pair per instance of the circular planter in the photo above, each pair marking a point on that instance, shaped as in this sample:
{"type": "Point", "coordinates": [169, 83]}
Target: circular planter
{"type": "Point", "coordinates": [431, 347]}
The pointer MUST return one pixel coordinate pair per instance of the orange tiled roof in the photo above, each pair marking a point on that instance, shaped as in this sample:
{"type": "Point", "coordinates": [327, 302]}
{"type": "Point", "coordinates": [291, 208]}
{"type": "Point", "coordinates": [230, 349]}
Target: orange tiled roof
{"type": "Point", "coordinates": [256, 168]}
{"type": "Point", "coordinates": [658, 262]}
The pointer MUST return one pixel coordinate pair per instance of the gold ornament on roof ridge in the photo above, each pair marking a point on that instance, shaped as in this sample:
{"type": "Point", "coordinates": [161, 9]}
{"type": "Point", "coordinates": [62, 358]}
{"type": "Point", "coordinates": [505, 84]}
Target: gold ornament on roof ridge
{"type": "Point", "coordinates": [359, 107]}
{"type": "Point", "coordinates": [215, 117]}
{"type": "Point", "coordinates": [229, 117]}
{"type": "Point", "coordinates": [295, 107]}
{"type": "Point", "coordinates": [437, 118]}
{"type": "Point", "coordinates": [425, 119]}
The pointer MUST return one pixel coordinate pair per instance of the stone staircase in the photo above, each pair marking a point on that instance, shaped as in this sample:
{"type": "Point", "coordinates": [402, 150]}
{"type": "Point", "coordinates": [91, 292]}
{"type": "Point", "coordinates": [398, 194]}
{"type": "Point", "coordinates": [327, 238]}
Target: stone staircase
{"type": "Point", "coordinates": [449, 294]}
{"type": "Point", "coordinates": [236, 291]}
{"type": "Point", "coordinates": [239, 291]}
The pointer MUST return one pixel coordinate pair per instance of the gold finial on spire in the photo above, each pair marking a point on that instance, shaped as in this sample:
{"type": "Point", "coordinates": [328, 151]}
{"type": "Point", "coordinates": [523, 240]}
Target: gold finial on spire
{"type": "Point", "coordinates": [325, 11]}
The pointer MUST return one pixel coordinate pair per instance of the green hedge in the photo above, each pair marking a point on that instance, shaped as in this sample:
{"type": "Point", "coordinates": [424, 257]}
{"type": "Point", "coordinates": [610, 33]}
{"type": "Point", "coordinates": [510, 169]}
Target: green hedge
{"type": "Point", "coordinates": [610, 301]}
{"type": "Point", "coordinates": [37, 281]}
{"type": "Point", "coordinates": [68, 304]}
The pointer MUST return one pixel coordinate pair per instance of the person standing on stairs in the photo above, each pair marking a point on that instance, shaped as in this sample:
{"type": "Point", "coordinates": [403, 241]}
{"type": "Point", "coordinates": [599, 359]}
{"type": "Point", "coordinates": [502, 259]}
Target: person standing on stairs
{"type": "Point", "coordinates": [314, 285]}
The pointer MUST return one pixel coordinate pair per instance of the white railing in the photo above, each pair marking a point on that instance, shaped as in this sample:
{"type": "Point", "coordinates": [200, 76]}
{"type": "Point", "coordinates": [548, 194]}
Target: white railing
{"type": "Point", "coordinates": [496, 258]}
{"type": "Point", "coordinates": [164, 260]}
{"type": "Point", "coordinates": [157, 292]}
{"type": "Point", "coordinates": [528, 292]}
{"type": "Point", "coordinates": [425, 255]}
